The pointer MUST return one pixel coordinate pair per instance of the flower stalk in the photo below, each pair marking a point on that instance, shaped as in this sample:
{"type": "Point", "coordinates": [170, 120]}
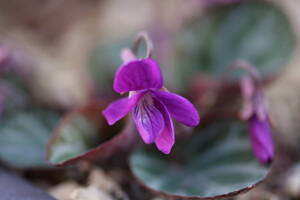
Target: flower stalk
{"type": "Point", "coordinates": [143, 37]}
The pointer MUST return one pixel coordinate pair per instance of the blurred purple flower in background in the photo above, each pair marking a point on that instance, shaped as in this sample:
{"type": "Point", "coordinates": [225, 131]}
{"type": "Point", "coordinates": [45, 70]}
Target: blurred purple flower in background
{"type": "Point", "coordinates": [256, 113]}
{"type": "Point", "coordinates": [14, 61]}
{"type": "Point", "coordinates": [151, 105]}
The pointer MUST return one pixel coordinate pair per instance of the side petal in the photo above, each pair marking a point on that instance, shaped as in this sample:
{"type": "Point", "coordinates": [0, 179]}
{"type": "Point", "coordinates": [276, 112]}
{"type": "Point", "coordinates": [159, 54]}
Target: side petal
{"type": "Point", "coordinates": [179, 107]}
{"type": "Point", "coordinates": [138, 75]}
{"type": "Point", "coordinates": [261, 139]}
{"type": "Point", "coordinates": [148, 119]}
{"type": "Point", "coordinates": [166, 139]}
{"type": "Point", "coordinates": [118, 109]}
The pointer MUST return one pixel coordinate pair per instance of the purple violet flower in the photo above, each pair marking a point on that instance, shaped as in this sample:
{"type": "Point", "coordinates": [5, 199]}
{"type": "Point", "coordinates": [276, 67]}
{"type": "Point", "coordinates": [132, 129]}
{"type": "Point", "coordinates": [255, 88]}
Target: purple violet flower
{"type": "Point", "coordinates": [150, 104]}
{"type": "Point", "coordinates": [256, 113]}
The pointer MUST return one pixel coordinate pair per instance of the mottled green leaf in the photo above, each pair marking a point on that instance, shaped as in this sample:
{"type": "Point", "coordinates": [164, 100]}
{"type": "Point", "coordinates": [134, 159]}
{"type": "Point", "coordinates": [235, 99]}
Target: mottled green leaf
{"type": "Point", "coordinates": [255, 31]}
{"type": "Point", "coordinates": [83, 134]}
{"type": "Point", "coordinates": [76, 137]}
{"type": "Point", "coordinates": [215, 161]}
{"type": "Point", "coordinates": [24, 135]}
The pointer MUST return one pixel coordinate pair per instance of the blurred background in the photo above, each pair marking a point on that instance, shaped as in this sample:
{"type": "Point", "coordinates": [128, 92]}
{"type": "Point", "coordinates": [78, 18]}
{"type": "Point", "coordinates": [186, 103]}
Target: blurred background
{"type": "Point", "coordinates": [61, 54]}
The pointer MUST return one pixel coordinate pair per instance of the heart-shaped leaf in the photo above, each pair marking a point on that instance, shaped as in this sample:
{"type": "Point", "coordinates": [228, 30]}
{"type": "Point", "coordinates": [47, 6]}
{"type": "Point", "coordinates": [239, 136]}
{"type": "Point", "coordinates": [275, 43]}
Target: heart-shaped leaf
{"type": "Point", "coordinates": [83, 134]}
{"type": "Point", "coordinates": [24, 135]}
{"type": "Point", "coordinates": [216, 162]}
{"type": "Point", "coordinates": [255, 31]}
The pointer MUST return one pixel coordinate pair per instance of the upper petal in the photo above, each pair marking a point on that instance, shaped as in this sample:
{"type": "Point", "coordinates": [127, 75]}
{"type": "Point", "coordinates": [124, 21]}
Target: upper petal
{"type": "Point", "coordinates": [166, 139]}
{"type": "Point", "coordinates": [179, 107]}
{"type": "Point", "coordinates": [261, 139]}
{"type": "Point", "coordinates": [118, 109]}
{"type": "Point", "coordinates": [138, 75]}
{"type": "Point", "coordinates": [148, 119]}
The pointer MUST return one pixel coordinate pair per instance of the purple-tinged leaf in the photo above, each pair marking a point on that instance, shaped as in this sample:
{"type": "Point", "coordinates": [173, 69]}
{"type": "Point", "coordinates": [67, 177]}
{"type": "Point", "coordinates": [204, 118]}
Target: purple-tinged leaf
{"type": "Point", "coordinates": [83, 134]}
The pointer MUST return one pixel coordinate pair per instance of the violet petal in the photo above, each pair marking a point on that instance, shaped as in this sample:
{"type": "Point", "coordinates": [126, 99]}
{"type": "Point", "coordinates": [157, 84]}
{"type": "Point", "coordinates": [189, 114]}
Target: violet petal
{"type": "Point", "coordinates": [179, 107]}
{"type": "Point", "coordinates": [118, 109]}
{"type": "Point", "coordinates": [261, 139]}
{"type": "Point", "coordinates": [138, 75]}
{"type": "Point", "coordinates": [148, 119]}
{"type": "Point", "coordinates": [166, 139]}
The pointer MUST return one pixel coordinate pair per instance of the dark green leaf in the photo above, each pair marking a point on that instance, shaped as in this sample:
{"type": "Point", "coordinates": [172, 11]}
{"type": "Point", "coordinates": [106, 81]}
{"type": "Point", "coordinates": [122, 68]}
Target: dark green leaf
{"type": "Point", "coordinates": [255, 31]}
{"type": "Point", "coordinates": [215, 162]}
{"type": "Point", "coordinates": [24, 135]}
